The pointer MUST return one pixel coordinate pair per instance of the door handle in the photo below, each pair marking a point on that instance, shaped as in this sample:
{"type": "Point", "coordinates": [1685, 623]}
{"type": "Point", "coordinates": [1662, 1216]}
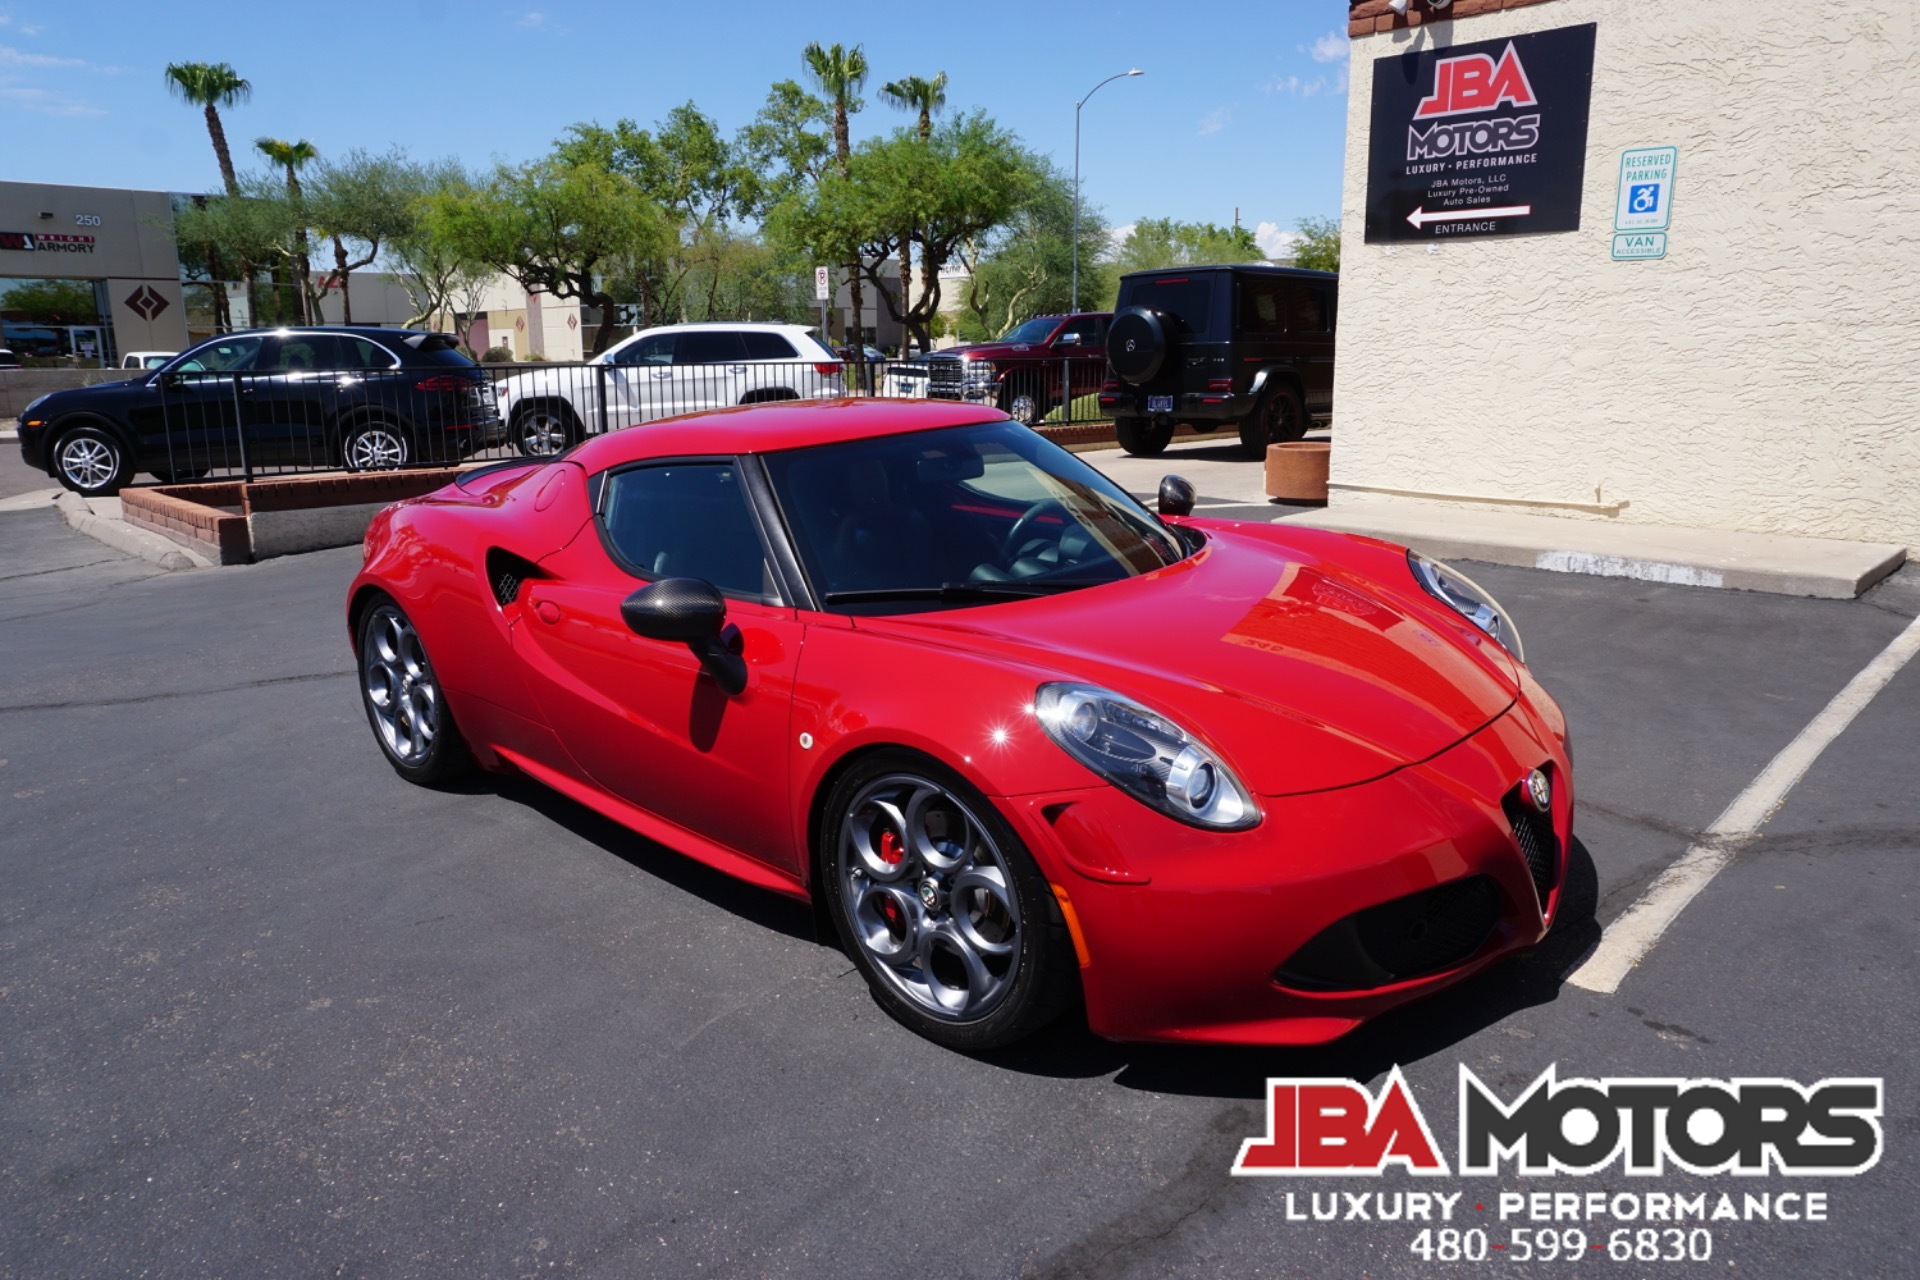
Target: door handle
{"type": "Point", "coordinates": [736, 368]}
{"type": "Point", "coordinates": [663, 373]}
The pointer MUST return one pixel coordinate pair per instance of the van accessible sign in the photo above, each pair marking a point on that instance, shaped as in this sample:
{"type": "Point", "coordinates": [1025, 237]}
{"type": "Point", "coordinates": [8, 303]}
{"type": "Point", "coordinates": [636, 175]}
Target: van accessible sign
{"type": "Point", "coordinates": [1486, 139]}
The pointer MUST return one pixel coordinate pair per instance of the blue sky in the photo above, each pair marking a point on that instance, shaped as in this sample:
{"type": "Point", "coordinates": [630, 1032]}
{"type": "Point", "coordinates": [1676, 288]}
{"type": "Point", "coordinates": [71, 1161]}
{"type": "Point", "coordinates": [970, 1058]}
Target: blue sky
{"type": "Point", "coordinates": [1242, 104]}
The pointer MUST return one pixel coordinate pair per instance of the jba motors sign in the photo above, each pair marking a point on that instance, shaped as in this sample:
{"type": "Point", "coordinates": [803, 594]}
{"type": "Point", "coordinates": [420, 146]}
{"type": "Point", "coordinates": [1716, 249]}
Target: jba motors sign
{"type": "Point", "coordinates": [41, 242]}
{"type": "Point", "coordinates": [1480, 139]}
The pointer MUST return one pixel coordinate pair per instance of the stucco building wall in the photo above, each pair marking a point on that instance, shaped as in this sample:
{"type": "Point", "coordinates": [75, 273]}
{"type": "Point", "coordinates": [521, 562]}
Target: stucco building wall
{"type": "Point", "coordinates": [1764, 376]}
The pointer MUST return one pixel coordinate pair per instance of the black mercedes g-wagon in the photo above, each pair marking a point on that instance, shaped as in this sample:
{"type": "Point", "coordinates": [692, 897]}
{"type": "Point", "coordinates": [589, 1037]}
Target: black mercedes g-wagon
{"type": "Point", "coordinates": [1247, 344]}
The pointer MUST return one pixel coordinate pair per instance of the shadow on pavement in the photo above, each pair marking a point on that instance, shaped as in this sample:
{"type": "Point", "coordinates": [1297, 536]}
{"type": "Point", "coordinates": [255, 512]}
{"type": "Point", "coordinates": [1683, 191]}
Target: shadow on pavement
{"type": "Point", "coordinates": [1069, 1051]}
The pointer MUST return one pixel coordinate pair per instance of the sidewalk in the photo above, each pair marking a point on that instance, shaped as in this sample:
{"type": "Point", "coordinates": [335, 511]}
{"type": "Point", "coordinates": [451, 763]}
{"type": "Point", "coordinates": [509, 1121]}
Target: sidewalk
{"type": "Point", "coordinates": [1773, 563]}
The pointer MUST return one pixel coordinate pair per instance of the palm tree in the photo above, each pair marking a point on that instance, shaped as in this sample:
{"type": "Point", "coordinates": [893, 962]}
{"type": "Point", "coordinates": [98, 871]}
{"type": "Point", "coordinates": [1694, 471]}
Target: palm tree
{"type": "Point", "coordinates": [915, 93]}
{"type": "Point", "coordinates": [290, 156]}
{"type": "Point", "coordinates": [211, 85]}
{"type": "Point", "coordinates": [840, 73]}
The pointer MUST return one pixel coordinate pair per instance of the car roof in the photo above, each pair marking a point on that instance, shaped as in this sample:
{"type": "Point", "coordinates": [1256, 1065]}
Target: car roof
{"type": "Point", "coordinates": [371, 330]}
{"type": "Point", "coordinates": [695, 325]}
{"type": "Point", "coordinates": [1255, 268]}
{"type": "Point", "coordinates": [770, 428]}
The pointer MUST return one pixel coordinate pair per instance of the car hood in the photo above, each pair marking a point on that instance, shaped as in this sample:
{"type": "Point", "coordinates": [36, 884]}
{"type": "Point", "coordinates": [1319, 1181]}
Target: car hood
{"type": "Point", "coordinates": [1303, 675]}
{"type": "Point", "coordinates": [994, 350]}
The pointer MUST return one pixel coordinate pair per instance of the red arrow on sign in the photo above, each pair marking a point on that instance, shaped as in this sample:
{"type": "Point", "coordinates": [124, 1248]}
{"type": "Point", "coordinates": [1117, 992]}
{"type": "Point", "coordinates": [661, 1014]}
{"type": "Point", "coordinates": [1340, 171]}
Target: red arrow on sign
{"type": "Point", "coordinates": [1420, 217]}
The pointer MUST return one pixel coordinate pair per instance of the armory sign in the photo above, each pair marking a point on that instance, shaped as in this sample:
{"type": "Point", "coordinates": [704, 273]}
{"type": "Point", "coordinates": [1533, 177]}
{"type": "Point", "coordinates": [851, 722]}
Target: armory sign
{"type": "Point", "coordinates": [1480, 139]}
{"type": "Point", "coordinates": [41, 242]}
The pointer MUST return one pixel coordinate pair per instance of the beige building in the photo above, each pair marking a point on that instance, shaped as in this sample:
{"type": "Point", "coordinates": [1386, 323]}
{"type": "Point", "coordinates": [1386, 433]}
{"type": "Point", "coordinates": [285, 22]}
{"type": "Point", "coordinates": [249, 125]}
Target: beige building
{"type": "Point", "coordinates": [1730, 339]}
{"type": "Point", "coordinates": [88, 273]}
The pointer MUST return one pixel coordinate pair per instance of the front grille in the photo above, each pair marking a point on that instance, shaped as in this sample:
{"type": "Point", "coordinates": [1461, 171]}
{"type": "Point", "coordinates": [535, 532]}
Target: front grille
{"type": "Point", "coordinates": [1399, 939]}
{"type": "Point", "coordinates": [945, 374]}
{"type": "Point", "coordinates": [1533, 832]}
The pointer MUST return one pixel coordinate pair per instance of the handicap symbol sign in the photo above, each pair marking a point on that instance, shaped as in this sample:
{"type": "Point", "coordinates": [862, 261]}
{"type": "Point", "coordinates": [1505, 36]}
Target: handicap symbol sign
{"type": "Point", "coordinates": [1644, 199]}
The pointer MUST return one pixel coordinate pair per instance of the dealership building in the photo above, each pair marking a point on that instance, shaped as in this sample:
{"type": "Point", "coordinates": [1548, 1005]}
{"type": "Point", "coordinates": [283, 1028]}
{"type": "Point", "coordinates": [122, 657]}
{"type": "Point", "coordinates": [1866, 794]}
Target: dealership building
{"type": "Point", "coordinates": [1634, 261]}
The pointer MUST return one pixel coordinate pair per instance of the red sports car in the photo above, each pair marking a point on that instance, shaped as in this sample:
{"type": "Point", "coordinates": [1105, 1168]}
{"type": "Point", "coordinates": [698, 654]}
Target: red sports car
{"type": "Point", "coordinates": [1024, 742]}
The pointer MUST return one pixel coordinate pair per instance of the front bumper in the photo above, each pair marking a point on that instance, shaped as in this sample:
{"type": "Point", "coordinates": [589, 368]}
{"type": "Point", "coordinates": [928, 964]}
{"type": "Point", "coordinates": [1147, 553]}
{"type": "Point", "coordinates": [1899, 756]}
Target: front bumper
{"type": "Point", "coordinates": [1186, 932]}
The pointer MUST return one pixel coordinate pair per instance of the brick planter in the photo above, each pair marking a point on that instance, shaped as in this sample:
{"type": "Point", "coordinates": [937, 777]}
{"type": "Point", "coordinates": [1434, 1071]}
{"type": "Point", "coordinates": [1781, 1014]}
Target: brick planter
{"type": "Point", "coordinates": [234, 522]}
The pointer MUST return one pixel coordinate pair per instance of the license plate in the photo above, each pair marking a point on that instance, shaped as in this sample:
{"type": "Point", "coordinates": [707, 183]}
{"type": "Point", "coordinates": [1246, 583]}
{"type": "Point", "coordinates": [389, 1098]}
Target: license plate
{"type": "Point", "coordinates": [1159, 404]}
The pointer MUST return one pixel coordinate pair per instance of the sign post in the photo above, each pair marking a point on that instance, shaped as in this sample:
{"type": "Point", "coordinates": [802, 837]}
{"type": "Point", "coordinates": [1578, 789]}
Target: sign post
{"type": "Point", "coordinates": [822, 293]}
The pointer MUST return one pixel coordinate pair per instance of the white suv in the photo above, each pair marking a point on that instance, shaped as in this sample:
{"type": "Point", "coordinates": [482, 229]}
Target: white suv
{"type": "Point", "coordinates": [657, 373]}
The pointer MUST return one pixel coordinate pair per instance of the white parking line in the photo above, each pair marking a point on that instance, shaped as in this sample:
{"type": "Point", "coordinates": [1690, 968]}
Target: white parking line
{"type": "Point", "coordinates": [1634, 934]}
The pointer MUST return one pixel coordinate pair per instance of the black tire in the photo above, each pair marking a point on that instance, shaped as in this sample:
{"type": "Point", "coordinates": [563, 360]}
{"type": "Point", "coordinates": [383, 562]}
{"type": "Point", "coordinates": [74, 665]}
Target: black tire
{"type": "Point", "coordinates": [402, 698]}
{"type": "Point", "coordinates": [376, 445]}
{"type": "Point", "coordinates": [182, 475]}
{"type": "Point", "coordinates": [1139, 344]}
{"type": "Point", "coordinates": [1016, 991]}
{"type": "Point", "coordinates": [544, 429]}
{"type": "Point", "coordinates": [92, 461]}
{"type": "Point", "coordinates": [1142, 437]}
{"type": "Point", "coordinates": [1024, 401]}
{"type": "Point", "coordinates": [1277, 419]}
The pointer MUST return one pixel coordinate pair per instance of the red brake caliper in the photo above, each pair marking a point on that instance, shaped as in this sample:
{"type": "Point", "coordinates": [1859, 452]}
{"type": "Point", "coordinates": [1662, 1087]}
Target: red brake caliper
{"type": "Point", "coordinates": [891, 851]}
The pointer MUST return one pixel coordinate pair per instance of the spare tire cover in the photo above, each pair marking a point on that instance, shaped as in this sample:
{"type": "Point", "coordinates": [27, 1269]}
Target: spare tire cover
{"type": "Point", "coordinates": [1137, 344]}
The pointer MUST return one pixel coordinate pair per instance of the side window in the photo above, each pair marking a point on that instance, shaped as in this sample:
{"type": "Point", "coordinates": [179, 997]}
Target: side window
{"type": "Point", "coordinates": [361, 354]}
{"type": "Point", "coordinates": [709, 346]}
{"type": "Point", "coordinates": [1309, 309]}
{"type": "Point", "coordinates": [687, 520]}
{"type": "Point", "coordinates": [762, 345]}
{"type": "Point", "coordinates": [655, 350]}
{"type": "Point", "coordinates": [1260, 305]}
{"type": "Point", "coordinates": [1090, 331]}
{"type": "Point", "coordinates": [228, 355]}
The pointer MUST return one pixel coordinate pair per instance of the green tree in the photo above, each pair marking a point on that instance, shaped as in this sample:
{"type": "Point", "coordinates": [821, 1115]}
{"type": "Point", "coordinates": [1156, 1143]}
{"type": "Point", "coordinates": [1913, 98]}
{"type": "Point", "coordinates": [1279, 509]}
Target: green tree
{"type": "Point", "coordinates": [1162, 242]}
{"type": "Point", "coordinates": [787, 144]}
{"type": "Point", "coordinates": [292, 156]}
{"type": "Point", "coordinates": [841, 73]}
{"type": "Point", "coordinates": [440, 275]}
{"type": "Point", "coordinates": [704, 184]}
{"type": "Point", "coordinates": [360, 202]}
{"type": "Point", "coordinates": [1319, 246]}
{"type": "Point", "coordinates": [556, 228]}
{"type": "Point", "coordinates": [1025, 267]}
{"type": "Point", "coordinates": [924, 97]}
{"type": "Point", "coordinates": [51, 302]}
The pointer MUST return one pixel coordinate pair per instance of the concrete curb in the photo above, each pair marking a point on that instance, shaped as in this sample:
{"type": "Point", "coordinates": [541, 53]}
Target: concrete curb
{"type": "Point", "coordinates": [123, 537]}
{"type": "Point", "coordinates": [1775, 563]}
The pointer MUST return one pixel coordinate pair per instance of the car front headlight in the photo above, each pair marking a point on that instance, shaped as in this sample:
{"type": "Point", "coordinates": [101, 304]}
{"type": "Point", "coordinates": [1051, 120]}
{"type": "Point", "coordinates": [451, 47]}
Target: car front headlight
{"type": "Point", "coordinates": [1146, 755]}
{"type": "Point", "coordinates": [1457, 591]}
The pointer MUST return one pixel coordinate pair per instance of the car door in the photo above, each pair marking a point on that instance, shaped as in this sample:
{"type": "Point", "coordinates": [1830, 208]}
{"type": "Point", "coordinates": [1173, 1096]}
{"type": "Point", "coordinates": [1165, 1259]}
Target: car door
{"type": "Point", "coordinates": [191, 422]}
{"type": "Point", "coordinates": [709, 369]}
{"type": "Point", "coordinates": [642, 717]}
{"type": "Point", "coordinates": [294, 394]}
{"type": "Point", "coordinates": [640, 384]}
{"type": "Point", "coordinates": [1310, 341]}
{"type": "Point", "coordinates": [1081, 351]}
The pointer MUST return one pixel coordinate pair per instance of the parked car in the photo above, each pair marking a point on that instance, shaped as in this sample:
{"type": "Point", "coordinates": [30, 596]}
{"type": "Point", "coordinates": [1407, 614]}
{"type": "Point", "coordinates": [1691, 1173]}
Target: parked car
{"type": "Point", "coordinates": [364, 399]}
{"type": "Point", "coordinates": [907, 379]}
{"type": "Point", "coordinates": [662, 372]}
{"type": "Point", "coordinates": [1027, 372]}
{"type": "Point", "coordinates": [8, 360]}
{"type": "Point", "coordinates": [1023, 742]}
{"type": "Point", "coordinates": [1246, 345]}
{"type": "Point", "coordinates": [146, 359]}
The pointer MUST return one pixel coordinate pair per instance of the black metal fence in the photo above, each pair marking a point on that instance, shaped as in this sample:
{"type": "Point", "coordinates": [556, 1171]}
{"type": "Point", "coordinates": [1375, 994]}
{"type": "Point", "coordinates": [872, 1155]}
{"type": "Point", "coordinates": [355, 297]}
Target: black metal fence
{"type": "Point", "coordinates": [255, 424]}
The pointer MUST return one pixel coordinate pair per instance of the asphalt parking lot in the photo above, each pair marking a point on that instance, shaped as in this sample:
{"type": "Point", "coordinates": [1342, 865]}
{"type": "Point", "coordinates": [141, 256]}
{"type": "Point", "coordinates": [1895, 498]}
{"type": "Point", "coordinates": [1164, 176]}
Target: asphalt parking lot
{"type": "Point", "coordinates": [266, 1009]}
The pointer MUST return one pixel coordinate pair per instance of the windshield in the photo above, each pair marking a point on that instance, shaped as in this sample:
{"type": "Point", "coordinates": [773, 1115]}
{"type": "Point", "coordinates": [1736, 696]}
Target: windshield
{"type": "Point", "coordinates": [956, 517]}
{"type": "Point", "coordinates": [1034, 330]}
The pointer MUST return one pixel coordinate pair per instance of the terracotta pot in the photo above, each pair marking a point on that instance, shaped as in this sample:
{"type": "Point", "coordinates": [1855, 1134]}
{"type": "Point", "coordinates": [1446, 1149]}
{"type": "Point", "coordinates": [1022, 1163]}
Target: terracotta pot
{"type": "Point", "coordinates": [1297, 470]}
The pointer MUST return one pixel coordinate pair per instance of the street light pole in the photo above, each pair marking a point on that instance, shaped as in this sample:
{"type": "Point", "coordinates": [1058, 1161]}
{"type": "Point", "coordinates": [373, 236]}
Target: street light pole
{"type": "Point", "coordinates": [1076, 175]}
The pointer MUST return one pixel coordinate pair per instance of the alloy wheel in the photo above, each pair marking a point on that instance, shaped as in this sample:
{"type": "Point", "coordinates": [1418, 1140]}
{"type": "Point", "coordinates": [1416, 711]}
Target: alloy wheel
{"type": "Point", "coordinates": [88, 461]}
{"type": "Point", "coordinates": [930, 897]}
{"type": "Point", "coordinates": [400, 687]}
{"type": "Point", "coordinates": [375, 449]}
{"type": "Point", "coordinates": [543, 433]}
{"type": "Point", "coordinates": [1024, 408]}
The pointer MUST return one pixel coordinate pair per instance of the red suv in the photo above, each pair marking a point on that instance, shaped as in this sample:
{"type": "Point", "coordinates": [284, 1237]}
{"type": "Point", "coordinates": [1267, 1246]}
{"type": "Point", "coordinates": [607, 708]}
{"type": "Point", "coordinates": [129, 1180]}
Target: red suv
{"type": "Point", "coordinates": [1042, 363]}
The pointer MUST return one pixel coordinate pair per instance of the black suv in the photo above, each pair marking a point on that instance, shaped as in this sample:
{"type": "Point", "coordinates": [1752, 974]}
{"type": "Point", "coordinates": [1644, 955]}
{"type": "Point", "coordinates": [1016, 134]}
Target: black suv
{"type": "Point", "coordinates": [1246, 344]}
{"type": "Point", "coordinates": [365, 399]}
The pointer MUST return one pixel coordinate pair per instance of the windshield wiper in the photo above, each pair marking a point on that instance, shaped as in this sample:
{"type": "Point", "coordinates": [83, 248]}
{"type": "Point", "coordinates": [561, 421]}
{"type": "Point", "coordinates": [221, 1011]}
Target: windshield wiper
{"type": "Point", "coordinates": [962, 591]}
